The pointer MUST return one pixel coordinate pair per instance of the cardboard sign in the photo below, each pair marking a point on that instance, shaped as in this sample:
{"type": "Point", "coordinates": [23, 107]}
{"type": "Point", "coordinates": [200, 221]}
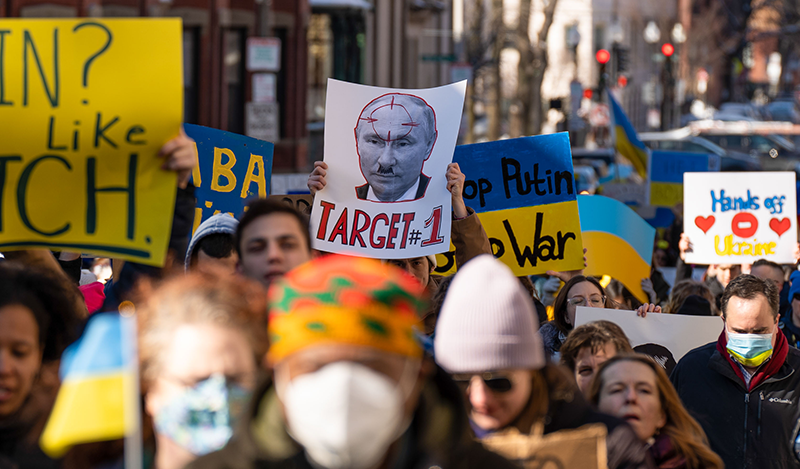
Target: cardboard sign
{"type": "Point", "coordinates": [85, 106]}
{"type": "Point", "coordinates": [232, 169]}
{"type": "Point", "coordinates": [580, 448]}
{"type": "Point", "coordinates": [677, 333]}
{"type": "Point", "coordinates": [387, 152]}
{"type": "Point", "coordinates": [524, 192]}
{"type": "Point", "coordinates": [619, 242]}
{"type": "Point", "coordinates": [665, 174]}
{"type": "Point", "coordinates": [736, 218]}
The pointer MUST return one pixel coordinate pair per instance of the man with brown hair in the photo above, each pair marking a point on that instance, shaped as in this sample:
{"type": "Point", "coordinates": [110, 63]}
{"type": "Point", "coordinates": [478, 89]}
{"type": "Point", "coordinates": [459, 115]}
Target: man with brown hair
{"type": "Point", "coordinates": [743, 389]}
{"type": "Point", "coordinates": [590, 345]}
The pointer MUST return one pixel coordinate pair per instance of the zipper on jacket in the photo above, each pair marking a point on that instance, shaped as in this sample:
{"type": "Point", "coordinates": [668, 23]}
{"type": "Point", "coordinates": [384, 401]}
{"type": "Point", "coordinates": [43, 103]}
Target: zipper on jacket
{"type": "Point", "coordinates": [761, 394]}
{"type": "Point", "coordinates": [744, 446]}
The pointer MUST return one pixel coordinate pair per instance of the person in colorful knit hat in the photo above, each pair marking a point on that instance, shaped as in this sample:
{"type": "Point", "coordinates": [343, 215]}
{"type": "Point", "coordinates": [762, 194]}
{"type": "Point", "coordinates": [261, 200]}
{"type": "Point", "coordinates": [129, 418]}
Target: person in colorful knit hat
{"type": "Point", "coordinates": [351, 387]}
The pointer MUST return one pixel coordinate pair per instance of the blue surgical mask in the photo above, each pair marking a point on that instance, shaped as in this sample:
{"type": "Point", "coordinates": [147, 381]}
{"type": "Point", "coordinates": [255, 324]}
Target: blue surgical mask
{"type": "Point", "coordinates": [750, 349]}
{"type": "Point", "coordinates": [201, 418]}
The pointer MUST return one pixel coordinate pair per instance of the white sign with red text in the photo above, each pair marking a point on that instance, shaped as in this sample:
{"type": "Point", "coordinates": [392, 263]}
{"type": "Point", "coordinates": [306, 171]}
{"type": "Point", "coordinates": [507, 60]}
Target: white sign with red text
{"type": "Point", "coordinates": [387, 152]}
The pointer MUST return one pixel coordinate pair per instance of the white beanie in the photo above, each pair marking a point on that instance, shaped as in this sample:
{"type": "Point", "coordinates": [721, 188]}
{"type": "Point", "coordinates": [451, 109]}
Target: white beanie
{"type": "Point", "coordinates": [487, 322]}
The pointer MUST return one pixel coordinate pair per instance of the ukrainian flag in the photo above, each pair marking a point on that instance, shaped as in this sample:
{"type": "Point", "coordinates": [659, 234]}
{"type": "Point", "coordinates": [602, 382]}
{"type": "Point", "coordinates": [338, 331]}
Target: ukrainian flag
{"type": "Point", "coordinates": [98, 399]}
{"type": "Point", "coordinates": [618, 241]}
{"type": "Point", "coordinates": [626, 141]}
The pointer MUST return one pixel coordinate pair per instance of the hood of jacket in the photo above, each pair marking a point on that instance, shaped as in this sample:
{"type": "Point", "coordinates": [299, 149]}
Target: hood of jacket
{"type": "Point", "coordinates": [219, 223]}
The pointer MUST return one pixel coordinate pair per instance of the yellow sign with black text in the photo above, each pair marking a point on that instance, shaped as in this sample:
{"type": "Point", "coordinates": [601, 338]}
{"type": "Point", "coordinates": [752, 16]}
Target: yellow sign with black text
{"type": "Point", "coordinates": [85, 106]}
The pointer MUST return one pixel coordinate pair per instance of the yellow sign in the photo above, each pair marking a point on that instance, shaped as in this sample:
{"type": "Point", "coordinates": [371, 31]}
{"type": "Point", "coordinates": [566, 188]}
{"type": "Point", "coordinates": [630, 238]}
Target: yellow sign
{"type": "Point", "coordinates": [85, 105]}
{"type": "Point", "coordinates": [530, 240]}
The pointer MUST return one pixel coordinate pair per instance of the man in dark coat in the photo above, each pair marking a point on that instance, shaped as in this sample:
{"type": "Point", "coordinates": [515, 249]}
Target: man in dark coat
{"type": "Point", "coordinates": [744, 388]}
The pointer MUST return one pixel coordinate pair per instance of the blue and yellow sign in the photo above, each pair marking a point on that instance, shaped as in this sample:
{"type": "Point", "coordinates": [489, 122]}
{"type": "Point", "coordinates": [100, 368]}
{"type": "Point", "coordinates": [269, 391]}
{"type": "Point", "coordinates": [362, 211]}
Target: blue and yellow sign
{"type": "Point", "coordinates": [232, 169]}
{"type": "Point", "coordinates": [524, 193]}
{"type": "Point", "coordinates": [665, 174]}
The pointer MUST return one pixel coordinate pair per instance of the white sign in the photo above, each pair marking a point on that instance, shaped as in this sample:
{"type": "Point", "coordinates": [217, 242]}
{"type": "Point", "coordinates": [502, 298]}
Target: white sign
{"type": "Point", "coordinates": [261, 121]}
{"type": "Point", "coordinates": [677, 333]}
{"type": "Point", "coordinates": [263, 54]}
{"type": "Point", "coordinates": [738, 218]}
{"type": "Point", "coordinates": [264, 88]}
{"type": "Point", "coordinates": [387, 152]}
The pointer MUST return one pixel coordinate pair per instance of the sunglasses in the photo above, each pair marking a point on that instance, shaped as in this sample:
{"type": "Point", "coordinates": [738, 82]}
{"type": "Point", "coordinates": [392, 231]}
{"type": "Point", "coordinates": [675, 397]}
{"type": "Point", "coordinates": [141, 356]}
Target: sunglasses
{"type": "Point", "coordinates": [496, 382]}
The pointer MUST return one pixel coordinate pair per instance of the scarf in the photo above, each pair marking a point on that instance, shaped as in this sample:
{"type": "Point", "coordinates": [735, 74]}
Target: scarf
{"type": "Point", "coordinates": [769, 368]}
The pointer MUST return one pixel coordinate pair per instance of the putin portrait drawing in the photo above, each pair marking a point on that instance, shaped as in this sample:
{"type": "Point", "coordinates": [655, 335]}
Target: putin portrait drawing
{"type": "Point", "coordinates": [395, 135]}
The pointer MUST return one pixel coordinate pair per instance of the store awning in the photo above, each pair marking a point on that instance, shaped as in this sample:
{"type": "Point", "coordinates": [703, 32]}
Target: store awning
{"type": "Point", "coordinates": [340, 4]}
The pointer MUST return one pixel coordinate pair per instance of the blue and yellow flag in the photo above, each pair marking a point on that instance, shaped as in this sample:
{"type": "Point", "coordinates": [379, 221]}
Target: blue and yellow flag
{"type": "Point", "coordinates": [98, 399]}
{"type": "Point", "coordinates": [626, 141]}
{"type": "Point", "coordinates": [619, 242]}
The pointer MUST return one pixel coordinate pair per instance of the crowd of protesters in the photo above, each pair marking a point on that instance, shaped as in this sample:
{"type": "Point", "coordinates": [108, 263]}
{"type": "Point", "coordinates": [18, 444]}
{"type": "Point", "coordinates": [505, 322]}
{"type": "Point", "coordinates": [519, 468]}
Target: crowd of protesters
{"type": "Point", "coordinates": [256, 351]}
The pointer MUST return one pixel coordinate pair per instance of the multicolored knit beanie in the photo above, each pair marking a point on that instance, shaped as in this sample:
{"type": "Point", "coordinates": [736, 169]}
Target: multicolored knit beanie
{"type": "Point", "coordinates": [338, 299]}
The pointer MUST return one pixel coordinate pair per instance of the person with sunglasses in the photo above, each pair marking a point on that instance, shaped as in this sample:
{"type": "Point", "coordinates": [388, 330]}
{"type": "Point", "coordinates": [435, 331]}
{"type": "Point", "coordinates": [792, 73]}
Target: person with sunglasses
{"type": "Point", "coordinates": [577, 291]}
{"type": "Point", "coordinates": [487, 340]}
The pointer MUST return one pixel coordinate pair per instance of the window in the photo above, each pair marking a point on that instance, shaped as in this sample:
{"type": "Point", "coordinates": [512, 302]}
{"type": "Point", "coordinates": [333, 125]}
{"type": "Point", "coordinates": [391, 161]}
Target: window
{"type": "Point", "coordinates": [191, 96]}
{"type": "Point", "coordinates": [234, 77]}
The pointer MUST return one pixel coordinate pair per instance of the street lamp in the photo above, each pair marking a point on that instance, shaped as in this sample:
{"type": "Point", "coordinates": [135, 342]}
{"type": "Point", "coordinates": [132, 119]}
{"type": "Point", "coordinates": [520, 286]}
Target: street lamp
{"type": "Point", "coordinates": [651, 33]}
{"type": "Point", "coordinates": [678, 34]}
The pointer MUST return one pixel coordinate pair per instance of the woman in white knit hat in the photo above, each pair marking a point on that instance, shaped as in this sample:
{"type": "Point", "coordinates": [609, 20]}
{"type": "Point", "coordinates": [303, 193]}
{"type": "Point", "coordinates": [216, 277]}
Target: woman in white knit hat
{"type": "Point", "coordinates": [486, 338]}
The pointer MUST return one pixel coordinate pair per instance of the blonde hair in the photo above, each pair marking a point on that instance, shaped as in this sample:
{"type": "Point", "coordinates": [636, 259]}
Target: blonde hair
{"type": "Point", "coordinates": [687, 436]}
{"type": "Point", "coordinates": [199, 298]}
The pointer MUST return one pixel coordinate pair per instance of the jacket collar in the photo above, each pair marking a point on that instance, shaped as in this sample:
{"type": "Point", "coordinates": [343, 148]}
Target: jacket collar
{"type": "Point", "coordinates": [771, 369]}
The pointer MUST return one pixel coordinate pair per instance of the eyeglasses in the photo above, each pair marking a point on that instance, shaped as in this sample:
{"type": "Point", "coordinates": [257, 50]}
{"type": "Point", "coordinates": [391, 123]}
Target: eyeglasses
{"type": "Point", "coordinates": [496, 382]}
{"type": "Point", "coordinates": [581, 301]}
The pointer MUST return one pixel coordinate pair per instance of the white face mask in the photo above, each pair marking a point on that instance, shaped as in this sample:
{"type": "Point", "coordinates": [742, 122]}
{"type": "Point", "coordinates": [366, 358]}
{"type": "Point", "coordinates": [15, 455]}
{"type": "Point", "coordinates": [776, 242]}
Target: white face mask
{"type": "Point", "coordinates": [344, 414]}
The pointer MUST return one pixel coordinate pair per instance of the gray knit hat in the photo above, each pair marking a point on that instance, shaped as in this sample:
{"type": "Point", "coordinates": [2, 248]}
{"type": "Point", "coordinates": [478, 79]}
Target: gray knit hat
{"type": "Point", "coordinates": [487, 322]}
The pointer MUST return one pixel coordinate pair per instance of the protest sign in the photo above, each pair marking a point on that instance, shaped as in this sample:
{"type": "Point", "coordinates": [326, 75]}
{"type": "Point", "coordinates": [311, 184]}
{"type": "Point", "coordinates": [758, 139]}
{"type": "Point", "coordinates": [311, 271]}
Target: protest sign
{"type": "Point", "coordinates": [231, 170]}
{"type": "Point", "coordinates": [85, 106]}
{"type": "Point", "coordinates": [676, 333]}
{"type": "Point", "coordinates": [387, 152]}
{"type": "Point", "coordinates": [619, 242]}
{"type": "Point", "coordinates": [524, 193]}
{"type": "Point", "coordinates": [736, 218]}
{"type": "Point", "coordinates": [580, 448]}
{"type": "Point", "coordinates": [665, 174]}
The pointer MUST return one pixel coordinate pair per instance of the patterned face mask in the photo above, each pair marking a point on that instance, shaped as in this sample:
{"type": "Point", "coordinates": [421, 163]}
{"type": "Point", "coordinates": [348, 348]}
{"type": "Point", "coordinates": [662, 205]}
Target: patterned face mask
{"type": "Point", "coordinates": [201, 418]}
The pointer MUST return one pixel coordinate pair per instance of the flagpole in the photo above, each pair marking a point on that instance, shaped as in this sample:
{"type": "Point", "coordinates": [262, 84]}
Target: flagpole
{"type": "Point", "coordinates": [133, 410]}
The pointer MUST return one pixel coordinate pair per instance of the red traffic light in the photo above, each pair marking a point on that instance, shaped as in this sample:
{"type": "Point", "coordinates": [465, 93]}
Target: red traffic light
{"type": "Point", "coordinates": [667, 49]}
{"type": "Point", "coordinates": [603, 56]}
{"type": "Point", "coordinates": [622, 81]}
{"type": "Point", "coordinates": [588, 93]}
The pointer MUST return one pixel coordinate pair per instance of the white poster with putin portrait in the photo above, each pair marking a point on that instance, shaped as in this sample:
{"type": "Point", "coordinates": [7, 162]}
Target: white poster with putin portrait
{"type": "Point", "coordinates": [387, 152]}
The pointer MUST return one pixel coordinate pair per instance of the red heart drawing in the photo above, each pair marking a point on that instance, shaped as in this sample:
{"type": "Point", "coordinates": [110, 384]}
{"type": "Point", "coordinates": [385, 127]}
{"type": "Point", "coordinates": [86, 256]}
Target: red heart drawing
{"type": "Point", "coordinates": [705, 223]}
{"type": "Point", "coordinates": [780, 226]}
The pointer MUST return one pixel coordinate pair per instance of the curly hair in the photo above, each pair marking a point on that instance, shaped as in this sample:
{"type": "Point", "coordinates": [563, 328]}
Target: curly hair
{"type": "Point", "coordinates": [686, 435]}
{"type": "Point", "coordinates": [199, 298]}
{"type": "Point", "coordinates": [595, 334]}
{"type": "Point", "coordinates": [52, 300]}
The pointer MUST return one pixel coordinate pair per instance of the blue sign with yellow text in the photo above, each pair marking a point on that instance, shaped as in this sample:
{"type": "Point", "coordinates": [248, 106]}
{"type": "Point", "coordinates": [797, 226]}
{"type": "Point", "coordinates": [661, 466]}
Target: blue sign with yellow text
{"type": "Point", "coordinates": [231, 170]}
{"type": "Point", "coordinates": [525, 194]}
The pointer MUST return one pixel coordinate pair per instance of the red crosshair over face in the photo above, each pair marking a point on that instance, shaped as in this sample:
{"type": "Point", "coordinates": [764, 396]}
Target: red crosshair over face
{"type": "Point", "coordinates": [391, 121]}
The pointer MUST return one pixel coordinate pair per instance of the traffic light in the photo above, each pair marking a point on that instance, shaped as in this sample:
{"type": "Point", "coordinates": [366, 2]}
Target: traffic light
{"type": "Point", "coordinates": [667, 49]}
{"type": "Point", "coordinates": [602, 56]}
{"type": "Point", "coordinates": [621, 59]}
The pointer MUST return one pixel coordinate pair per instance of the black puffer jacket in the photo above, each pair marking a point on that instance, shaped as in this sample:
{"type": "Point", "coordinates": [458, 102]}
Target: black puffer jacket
{"type": "Point", "coordinates": [439, 436]}
{"type": "Point", "coordinates": [753, 428]}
